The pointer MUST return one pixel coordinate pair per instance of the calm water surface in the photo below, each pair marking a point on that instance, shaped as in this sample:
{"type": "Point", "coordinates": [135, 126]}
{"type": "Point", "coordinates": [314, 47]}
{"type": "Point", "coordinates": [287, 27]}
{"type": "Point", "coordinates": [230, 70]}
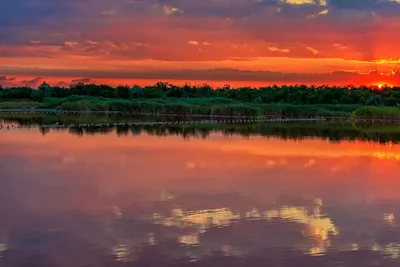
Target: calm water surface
{"type": "Point", "coordinates": [145, 200]}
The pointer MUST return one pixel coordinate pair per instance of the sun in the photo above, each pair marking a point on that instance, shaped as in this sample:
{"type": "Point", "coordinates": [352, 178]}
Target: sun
{"type": "Point", "coordinates": [382, 85]}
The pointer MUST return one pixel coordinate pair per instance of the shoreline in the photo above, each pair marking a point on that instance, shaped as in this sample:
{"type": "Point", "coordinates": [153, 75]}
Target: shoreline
{"type": "Point", "coordinates": [216, 118]}
{"type": "Point", "coordinates": [325, 130]}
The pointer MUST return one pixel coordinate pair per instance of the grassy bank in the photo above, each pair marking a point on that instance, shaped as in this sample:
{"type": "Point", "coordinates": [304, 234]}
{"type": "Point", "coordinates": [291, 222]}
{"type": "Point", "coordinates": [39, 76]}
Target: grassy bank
{"type": "Point", "coordinates": [19, 104]}
{"type": "Point", "coordinates": [216, 106]}
{"type": "Point", "coordinates": [377, 113]}
{"type": "Point", "coordinates": [208, 109]}
{"type": "Point", "coordinates": [213, 106]}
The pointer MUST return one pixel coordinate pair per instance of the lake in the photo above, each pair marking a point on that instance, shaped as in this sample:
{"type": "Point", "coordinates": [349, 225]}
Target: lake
{"type": "Point", "coordinates": [223, 195]}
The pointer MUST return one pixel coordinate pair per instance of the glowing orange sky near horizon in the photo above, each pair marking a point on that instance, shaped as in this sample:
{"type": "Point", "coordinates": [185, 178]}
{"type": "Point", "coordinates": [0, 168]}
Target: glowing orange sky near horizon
{"type": "Point", "coordinates": [66, 81]}
{"type": "Point", "coordinates": [216, 42]}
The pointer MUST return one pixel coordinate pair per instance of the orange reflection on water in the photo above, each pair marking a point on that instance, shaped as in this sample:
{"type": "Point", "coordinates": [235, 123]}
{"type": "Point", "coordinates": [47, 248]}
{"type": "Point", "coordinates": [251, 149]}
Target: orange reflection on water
{"type": "Point", "coordinates": [200, 185]}
{"type": "Point", "coordinates": [255, 146]}
{"type": "Point", "coordinates": [160, 162]}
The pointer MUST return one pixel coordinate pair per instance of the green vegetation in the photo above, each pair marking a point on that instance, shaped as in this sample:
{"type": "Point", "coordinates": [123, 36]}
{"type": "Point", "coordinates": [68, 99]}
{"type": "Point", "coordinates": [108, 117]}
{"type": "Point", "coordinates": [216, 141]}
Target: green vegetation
{"type": "Point", "coordinates": [163, 98]}
{"type": "Point", "coordinates": [378, 113]}
{"type": "Point", "coordinates": [26, 119]}
{"type": "Point", "coordinates": [183, 106]}
{"type": "Point", "coordinates": [19, 105]}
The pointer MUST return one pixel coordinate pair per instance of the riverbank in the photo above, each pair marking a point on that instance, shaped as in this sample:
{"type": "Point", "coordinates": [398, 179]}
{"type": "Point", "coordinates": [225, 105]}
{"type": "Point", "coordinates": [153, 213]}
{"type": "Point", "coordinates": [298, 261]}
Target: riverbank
{"type": "Point", "coordinates": [186, 107]}
{"type": "Point", "coordinates": [377, 113]}
{"type": "Point", "coordinates": [201, 107]}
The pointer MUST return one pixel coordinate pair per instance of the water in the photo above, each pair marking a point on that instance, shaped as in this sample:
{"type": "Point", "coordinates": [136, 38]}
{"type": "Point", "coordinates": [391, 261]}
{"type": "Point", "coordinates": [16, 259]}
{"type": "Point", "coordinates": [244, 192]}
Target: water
{"type": "Point", "coordinates": [217, 197]}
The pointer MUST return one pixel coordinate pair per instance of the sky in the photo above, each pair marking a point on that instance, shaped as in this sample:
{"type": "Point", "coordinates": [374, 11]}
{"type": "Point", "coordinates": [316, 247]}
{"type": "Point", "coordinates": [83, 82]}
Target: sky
{"type": "Point", "coordinates": [243, 42]}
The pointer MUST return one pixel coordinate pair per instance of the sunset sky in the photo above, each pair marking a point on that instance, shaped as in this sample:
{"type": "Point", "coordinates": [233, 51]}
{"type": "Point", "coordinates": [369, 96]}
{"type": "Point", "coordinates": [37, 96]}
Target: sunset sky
{"type": "Point", "coordinates": [249, 42]}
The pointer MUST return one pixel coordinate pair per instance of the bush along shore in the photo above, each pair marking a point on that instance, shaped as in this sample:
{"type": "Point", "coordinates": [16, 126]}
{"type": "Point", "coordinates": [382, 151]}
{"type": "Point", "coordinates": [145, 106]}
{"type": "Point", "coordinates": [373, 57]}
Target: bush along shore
{"type": "Point", "coordinates": [377, 113]}
{"type": "Point", "coordinates": [358, 103]}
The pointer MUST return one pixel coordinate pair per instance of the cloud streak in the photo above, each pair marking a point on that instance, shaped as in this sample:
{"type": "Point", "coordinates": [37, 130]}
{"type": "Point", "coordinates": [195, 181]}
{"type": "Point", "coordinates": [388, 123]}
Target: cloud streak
{"type": "Point", "coordinates": [218, 76]}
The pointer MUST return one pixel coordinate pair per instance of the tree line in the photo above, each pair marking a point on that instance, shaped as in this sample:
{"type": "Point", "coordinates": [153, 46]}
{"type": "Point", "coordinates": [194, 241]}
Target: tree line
{"type": "Point", "coordinates": [291, 94]}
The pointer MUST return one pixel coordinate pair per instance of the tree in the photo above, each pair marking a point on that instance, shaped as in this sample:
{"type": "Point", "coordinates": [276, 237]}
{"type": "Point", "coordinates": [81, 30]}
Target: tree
{"type": "Point", "coordinates": [258, 100]}
{"type": "Point", "coordinates": [122, 91]}
{"type": "Point", "coordinates": [373, 101]}
{"type": "Point", "coordinates": [45, 88]}
{"type": "Point", "coordinates": [389, 101]}
{"type": "Point", "coordinates": [136, 92]}
{"type": "Point", "coordinates": [37, 95]}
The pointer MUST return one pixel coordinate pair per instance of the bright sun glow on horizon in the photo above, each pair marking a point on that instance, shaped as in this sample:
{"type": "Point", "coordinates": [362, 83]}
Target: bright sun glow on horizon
{"type": "Point", "coordinates": [381, 85]}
